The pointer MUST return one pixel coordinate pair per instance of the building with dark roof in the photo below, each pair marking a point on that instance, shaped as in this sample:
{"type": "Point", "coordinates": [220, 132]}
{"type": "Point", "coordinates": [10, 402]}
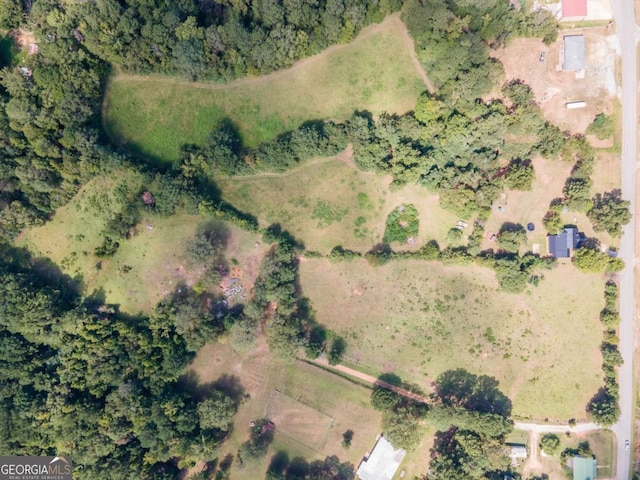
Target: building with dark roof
{"type": "Point", "coordinates": [574, 8]}
{"type": "Point", "coordinates": [573, 59]}
{"type": "Point", "coordinates": [560, 245]}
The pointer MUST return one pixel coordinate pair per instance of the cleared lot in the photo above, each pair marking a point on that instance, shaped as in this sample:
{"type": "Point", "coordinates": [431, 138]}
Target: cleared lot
{"type": "Point", "coordinates": [553, 88]}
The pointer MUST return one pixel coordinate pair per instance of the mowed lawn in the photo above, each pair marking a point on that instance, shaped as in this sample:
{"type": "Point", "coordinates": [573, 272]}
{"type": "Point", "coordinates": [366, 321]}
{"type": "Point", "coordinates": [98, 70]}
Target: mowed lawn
{"type": "Point", "coordinates": [146, 267]}
{"type": "Point", "coordinates": [328, 202]}
{"type": "Point", "coordinates": [154, 116]}
{"type": "Point", "coordinates": [418, 319]}
{"type": "Point", "coordinates": [531, 206]}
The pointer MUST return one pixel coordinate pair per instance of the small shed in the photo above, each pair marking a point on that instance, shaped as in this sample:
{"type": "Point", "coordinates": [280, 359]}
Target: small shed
{"type": "Point", "coordinates": [574, 105]}
{"type": "Point", "coordinates": [574, 8]}
{"type": "Point", "coordinates": [517, 450]}
{"type": "Point", "coordinates": [584, 468]}
{"type": "Point", "coordinates": [382, 463]}
{"type": "Point", "coordinates": [574, 59]}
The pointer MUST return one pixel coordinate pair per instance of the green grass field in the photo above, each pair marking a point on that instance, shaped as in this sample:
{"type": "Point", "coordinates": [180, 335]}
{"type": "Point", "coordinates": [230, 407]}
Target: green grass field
{"type": "Point", "coordinates": [418, 319]}
{"type": "Point", "coordinates": [328, 203]}
{"type": "Point", "coordinates": [154, 116]}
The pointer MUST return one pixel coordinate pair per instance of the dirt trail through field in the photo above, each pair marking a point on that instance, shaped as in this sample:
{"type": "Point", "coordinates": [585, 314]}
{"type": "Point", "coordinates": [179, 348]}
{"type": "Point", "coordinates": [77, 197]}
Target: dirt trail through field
{"type": "Point", "coordinates": [408, 41]}
{"type": "Point", "coordinates": [532, 464]}
{"type": "Point", "coordinates": [372, 380]}
{"type": "Point", "coordinates": [392, 22]}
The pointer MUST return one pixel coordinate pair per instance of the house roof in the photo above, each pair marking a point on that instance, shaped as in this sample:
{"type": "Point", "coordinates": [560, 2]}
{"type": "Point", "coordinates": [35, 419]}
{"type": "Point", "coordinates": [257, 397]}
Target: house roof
{"type": "Point", "coordinates": [574, 56]}
{"type": "Point", "coordinates": [574, 8]}
{"type": "Point", "coordinates": [560, 245]}
{"type": "Point", "coordinates": [584, 468]}
{"type": "Point", "coordinates": [382, 463]}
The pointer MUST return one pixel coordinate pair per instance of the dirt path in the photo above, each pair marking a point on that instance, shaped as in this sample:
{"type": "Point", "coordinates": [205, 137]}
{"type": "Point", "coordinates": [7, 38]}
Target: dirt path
{"type": "Point", "coordinates": [392, 22]}
{"type": "Point", "coordinates": [370, 379]}
{"type": "Point", "coordinates": [532, 465]}
{"type": "Point", "coordinates": [408, 41]}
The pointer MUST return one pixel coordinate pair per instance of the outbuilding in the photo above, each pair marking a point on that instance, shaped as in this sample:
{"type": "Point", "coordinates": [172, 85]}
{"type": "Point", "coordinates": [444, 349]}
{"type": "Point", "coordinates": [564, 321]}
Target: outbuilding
{"type": "Point", "coordinates": [574, 8]}
{"type": "Point", "coordinates": [382, 463]}
{"type": "Point", "coordinates": [517, 450]}
{"type": "Point", "coordinates": [584, 468]}
{"type": "Point", "coordinates": [573, 59]}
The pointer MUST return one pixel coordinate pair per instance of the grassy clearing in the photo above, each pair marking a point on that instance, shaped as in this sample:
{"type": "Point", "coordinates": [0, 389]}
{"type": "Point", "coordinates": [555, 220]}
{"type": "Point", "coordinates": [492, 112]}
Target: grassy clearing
{"type": "Point", "coordinates": [418, 319]}
{"type": "Point", "coordinates": [328, 202]}
{"type": "Point", "coordinates": [310, 394]}
{"type": "Point", "coordinates": [154, 116]}
{"type": "Point", "coordinates": [146, 267]}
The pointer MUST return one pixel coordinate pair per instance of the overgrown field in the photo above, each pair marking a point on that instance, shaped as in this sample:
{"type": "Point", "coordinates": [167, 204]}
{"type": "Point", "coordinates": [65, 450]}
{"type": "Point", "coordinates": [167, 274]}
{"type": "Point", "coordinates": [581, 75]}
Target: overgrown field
{"type": "Point", "coordinates": [155, 116]}
{"type": "Point", "coordinates": [328, 203]}
{"type": "Point", "coordinates": [418, 319]}
{"type": "Point", "coordinates": [146, 267]}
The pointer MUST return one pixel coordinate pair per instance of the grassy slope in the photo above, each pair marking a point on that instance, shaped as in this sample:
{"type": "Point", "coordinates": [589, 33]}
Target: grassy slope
{"type": "Point", "coordinates": [418, 319]}
{"type": "Point", "coordinates": [292, 199]}
{"type": "Point", "coordinates": [155, 115]}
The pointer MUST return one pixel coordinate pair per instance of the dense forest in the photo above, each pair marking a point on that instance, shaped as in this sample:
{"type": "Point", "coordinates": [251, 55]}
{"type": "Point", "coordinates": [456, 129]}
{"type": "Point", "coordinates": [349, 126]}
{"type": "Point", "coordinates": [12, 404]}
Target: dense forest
{"type": "Point", "coordinates": [82, 378]}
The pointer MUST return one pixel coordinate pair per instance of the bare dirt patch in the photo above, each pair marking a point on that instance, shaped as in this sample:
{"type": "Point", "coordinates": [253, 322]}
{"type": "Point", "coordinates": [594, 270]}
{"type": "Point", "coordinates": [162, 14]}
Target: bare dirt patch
{"type": "Point", "coordinates": [554, 88]}
{"type": "Point", "coordinates": [23, 37]}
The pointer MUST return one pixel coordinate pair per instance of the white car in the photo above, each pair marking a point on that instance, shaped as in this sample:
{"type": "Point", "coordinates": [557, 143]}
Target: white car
{"type": "Point", "coordinates": [626, 445]}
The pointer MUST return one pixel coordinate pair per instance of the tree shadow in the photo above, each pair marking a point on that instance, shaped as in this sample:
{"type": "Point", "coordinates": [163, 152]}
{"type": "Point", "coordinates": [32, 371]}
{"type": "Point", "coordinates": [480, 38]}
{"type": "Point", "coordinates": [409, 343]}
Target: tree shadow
{"type": "Point", "coordinates": [589, 242]}
{"type": "Point", "coordinates": [226, 462]}
{"type": "Point", "coordinates": [279, 463]}
{"type": "Point", "coordinates": [97, 299]}
{"type": "Point", "coordinates": [228, 384]}
{"type": "Point", "coordinates": [298, 468]}
{"type": "Point", "coordinates": [391, 378]}
{"type": "Point", "coordinates": [51, 274]}
{"type": "Point", "coordinates": [274, 233]}
{"type": "Point", "coordinates": [231, 386]}
{"type": "Point", "coordinates": [511, 227]}
{"type": "Point", "coordinates": [478, 393]}
{"type": "Point", "coordinates": [215, 228]}
{"type": "Point", "coordinates": [444, 441]}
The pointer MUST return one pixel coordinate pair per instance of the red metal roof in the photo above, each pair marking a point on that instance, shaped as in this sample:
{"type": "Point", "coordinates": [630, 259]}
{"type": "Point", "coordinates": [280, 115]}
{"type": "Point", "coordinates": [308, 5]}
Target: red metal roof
{"type": "Point", "coordinates": [574, 8]}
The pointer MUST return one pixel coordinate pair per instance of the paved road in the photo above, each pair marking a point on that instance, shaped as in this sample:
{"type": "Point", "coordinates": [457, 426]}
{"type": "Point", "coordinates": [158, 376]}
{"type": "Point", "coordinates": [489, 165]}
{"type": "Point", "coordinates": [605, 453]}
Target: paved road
{"type": "Point", "coordinates": [627, 34]}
